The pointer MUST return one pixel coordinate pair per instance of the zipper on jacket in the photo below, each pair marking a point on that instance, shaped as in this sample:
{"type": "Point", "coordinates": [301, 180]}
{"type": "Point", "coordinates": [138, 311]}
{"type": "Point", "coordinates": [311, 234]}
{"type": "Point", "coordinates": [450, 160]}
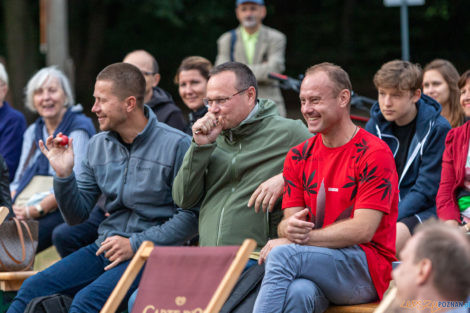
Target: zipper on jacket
{"type": "Point", "coordinates": [220, 223]}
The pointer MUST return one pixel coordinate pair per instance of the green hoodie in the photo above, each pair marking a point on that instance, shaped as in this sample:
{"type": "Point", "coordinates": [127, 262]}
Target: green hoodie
{"type": "Point", "coordinates": [224, 174]}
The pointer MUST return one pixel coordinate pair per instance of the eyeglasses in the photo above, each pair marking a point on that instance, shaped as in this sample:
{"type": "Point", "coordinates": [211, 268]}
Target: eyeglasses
{"type": "Point", "coordinates": [147, 73]}
{"type": "Point", "coordinates": [209, 102]}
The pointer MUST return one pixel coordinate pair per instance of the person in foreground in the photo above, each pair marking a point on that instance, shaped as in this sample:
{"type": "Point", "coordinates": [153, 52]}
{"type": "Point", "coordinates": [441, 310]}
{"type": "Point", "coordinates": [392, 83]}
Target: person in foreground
{"type": "Point", "coordinates": [235, 160]}
{"type": "Point", "coordinates": [340, 208]}
{"type": "Point", "coordinates": [433, 274]}
{"type": "Point", "coordinates": [132, 162]}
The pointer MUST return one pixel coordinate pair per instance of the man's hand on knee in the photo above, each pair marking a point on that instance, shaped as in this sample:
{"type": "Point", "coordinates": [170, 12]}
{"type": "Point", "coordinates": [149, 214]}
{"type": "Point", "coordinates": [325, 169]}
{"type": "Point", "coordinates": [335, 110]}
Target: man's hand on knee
{"type": "Point", "coordinates": [266, 195]}
{"type": "Point", "coordinates": [117, 249]}
{"type": "Point", "coordinates": [269, 246]}
{"type": "Point", "coordinates": [298, 228]}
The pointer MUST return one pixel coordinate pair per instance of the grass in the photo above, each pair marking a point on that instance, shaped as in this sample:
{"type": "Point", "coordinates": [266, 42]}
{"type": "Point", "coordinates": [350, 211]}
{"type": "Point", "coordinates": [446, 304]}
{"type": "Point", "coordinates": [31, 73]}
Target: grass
{"type": "Point", "coordinates": [46, 258]}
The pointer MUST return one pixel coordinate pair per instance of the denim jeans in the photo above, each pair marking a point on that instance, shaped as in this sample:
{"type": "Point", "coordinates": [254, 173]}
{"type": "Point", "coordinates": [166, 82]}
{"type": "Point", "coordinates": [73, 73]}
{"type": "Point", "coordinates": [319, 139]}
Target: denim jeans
{"type": "Point", "coordinates": [68, 239]}
{"type": "Point", "coordinates": [80, 275]}
{"type": "Point", "coordinates": [307, 278]}
{"type": "Point", "coordinates": [47, 224]}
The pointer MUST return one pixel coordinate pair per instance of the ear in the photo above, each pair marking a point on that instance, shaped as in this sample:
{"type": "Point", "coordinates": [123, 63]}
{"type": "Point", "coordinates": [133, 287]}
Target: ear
{"type": "Point", "coordinates": [251, 92]}
{"type": "Point", "coordinates": [424, 272]}
{"type": "Point", "coordinates": [416, 95]}
{"type": "Point", "coordinates": [344, 97]}
{"type": "Point", "coordinates": [156, 79]}
{"type": "Point", "coordinates": [131, 104]}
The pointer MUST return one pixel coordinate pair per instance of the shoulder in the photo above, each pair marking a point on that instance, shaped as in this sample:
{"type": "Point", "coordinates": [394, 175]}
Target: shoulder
{"type": "Point", "coordinates": [272, 33]}
{"type": "Point", "coordinates": [374, 145]}
{"type": "Point", "coordinates": [225, 37]}
{"type": "Point", "coordinates": [459, 134]}
{"type": "Point", "coordinates": [162, 131]}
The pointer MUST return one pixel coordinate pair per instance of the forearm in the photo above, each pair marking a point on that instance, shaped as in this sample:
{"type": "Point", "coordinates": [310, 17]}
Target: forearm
{"type": "Point", "coordinates": [188, 186]}
{"type": "Point", "coordinates": [177, 230]}
{"type": "Point", "coordinates": [74, 203]}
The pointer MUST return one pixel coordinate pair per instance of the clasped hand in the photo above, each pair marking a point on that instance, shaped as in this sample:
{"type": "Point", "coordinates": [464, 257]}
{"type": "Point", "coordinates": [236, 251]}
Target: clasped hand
{"type": "Point", "coordinates": [206, 129]}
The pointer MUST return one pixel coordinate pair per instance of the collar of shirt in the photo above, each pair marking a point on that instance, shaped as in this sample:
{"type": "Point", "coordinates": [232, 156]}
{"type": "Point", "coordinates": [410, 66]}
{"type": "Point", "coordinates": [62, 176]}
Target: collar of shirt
{"type": "Point", "coordinates": [249, 41]}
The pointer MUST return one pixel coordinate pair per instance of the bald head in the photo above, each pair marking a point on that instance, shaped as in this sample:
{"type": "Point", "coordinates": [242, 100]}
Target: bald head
{"type": "Point", "coordinates": [147, 64]}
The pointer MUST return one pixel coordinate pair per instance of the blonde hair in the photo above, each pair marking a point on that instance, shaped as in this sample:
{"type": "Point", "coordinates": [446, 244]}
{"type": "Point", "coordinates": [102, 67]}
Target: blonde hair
{"type": "Point", "coordinates": [398, 74]}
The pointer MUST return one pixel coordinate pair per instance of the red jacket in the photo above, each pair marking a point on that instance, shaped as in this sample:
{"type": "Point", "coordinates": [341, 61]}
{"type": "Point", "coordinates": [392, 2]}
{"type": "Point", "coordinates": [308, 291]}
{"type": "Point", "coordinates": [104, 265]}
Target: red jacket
{"type": "Point", "coordinates": [453, 172]}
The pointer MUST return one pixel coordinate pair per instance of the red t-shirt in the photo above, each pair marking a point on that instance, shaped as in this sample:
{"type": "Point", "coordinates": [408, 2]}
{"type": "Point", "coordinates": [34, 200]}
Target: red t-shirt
{"type": "Point", "coordinates": [333, 182]}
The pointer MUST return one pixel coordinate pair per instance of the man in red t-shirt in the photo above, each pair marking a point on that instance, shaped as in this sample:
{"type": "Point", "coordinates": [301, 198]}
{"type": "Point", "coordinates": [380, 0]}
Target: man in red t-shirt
{"type": "Point", "coordinates": [337, 237]}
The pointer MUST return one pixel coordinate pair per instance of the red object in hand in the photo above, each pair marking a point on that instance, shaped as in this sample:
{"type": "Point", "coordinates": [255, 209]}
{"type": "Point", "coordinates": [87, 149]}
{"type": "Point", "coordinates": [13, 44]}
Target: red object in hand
{"type": "Point", "coordinates": [64, 140]}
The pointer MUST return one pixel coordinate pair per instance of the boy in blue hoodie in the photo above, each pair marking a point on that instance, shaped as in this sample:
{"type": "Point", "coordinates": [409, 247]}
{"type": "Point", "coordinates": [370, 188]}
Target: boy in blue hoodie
{"type": "Point", "coordinates": [412, 126]}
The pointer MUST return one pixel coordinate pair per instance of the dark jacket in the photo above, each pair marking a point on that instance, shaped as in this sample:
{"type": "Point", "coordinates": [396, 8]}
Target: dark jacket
{"type": "Point", "coordinates": [5, 199]}
{"type": "Point", "coordinates": [167, 112]}
{"type": "Point", "coordinates": [12, 127]}
{"type": "Point", "coordinates": [193, 116]}
{"type": "Point", "coordinates": [421, 175]}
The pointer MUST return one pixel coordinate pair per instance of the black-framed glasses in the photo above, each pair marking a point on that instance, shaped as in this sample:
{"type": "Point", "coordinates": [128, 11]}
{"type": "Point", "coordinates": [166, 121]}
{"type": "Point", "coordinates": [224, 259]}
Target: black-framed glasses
{"type": "Point", "coordinates": [220, 101]}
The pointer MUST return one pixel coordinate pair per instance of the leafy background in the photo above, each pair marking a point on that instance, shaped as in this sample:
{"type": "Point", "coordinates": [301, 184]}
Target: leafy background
{"type": "Point", "coordinates": [358, 35]}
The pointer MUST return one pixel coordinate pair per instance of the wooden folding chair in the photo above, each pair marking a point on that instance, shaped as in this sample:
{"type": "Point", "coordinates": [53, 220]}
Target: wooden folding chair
{"type": "Point", "coordinates": [11, 281]}
{"type": "Point", "coordinates": [197, 279]}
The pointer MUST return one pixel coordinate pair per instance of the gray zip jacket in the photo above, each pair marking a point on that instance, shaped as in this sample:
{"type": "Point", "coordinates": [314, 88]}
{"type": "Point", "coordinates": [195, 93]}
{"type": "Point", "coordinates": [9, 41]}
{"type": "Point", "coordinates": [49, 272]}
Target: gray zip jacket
{"type": "Point", "coordinates": [137, 184]}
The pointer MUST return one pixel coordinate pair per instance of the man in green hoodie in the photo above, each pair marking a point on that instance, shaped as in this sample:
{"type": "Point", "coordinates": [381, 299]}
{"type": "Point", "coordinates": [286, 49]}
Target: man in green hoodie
{"type": "Point", "coordinates": [236, 159]}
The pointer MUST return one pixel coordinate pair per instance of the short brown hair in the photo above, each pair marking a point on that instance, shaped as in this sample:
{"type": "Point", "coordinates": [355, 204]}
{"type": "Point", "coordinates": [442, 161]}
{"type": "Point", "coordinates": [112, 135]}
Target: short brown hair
{"type": "Point", "coordinates": [244, 75]}
{"type": "Point", "coordinates": [448, 249]}
{"type": "Point", "coordinates": [402, 75]}
{"type": "Point", "coordinates": [336, 74]}
{"type": "Point", "coordinates": [127, 81]}
{"type": "Point", "coordinates": [451, 76]}
{"type": "Point", "coordinates": [463, 79]}
{"type": "Point", "coordinates": [202, 65]}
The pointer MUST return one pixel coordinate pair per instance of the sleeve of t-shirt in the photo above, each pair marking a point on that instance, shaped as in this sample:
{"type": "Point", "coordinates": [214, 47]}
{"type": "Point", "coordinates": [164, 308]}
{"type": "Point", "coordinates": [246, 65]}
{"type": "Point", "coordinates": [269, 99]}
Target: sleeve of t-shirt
{"type": "Point", "coordinates": [378, 181]}
{"type": "Point", "coordinates": [293, 190]}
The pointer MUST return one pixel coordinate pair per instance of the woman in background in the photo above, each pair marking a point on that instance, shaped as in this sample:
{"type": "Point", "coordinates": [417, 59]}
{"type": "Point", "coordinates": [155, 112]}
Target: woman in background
{"type": "Point", "coordinates": [440, 83]}
{"type": "Point", "coordinates": [48, 93]}
{"type": "Point", "coordinates": [191, 77]}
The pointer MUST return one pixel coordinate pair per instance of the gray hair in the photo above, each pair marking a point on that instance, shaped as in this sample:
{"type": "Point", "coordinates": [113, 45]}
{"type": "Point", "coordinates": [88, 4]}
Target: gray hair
{"type": "Point", "coordinates": [3, 74]}
{"type": "Point", "coordinates": [40, 78]}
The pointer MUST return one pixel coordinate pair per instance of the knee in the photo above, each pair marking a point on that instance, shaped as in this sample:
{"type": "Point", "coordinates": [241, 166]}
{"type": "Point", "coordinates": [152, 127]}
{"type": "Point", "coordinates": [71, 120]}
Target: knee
{"type": "Point", "coordinates": [280, 253]}
{"type": "Point", "coordinates": [304, 295]}
{"type": "Point", "coordinates": [59, 234]}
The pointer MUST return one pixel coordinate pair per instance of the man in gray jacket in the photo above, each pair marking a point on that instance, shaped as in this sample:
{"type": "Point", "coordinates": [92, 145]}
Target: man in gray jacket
{"type": "Point", "coordinates": [260, 47]}
{"type": "Point", "coordinates": [133, 162]}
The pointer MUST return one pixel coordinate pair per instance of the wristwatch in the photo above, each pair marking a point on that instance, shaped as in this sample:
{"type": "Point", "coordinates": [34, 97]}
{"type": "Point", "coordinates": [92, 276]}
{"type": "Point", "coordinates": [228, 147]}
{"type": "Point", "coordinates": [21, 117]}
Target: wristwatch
{"type": "Point", "coordinates": [39, 209]}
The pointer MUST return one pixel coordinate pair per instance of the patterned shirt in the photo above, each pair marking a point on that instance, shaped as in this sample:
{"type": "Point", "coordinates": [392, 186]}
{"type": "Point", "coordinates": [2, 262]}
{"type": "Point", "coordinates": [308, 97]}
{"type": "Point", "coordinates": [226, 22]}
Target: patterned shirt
{"type": "Point", "coordinates": [334, 182]}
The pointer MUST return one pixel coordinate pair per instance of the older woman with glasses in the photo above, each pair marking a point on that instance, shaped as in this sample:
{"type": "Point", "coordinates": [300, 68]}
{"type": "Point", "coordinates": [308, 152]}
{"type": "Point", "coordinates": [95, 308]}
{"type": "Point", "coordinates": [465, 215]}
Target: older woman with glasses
{"type": "Point", "coordinates": [49, 94]}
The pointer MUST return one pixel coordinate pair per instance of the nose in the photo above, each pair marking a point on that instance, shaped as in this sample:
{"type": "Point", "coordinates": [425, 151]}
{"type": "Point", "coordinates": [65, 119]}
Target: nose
{"type": "Point", "coordinates": [95, 107]}
{"type": "Point", "coordinates": [214, 108]}
{"type": "Point", "coordinates": [387, 101]}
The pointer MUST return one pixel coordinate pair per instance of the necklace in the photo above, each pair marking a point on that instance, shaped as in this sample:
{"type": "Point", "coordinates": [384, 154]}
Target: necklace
{"type": "Point", "coordinates": [355, 131]}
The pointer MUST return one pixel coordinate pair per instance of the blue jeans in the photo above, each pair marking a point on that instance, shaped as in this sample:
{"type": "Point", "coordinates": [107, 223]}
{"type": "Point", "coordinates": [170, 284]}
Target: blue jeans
{"type": "Point", "coordinates": [307, 278]}
{"type": "Point", "coordinates": [68, 239]}
{"type": "Point", "coordinates": [80, 275]}
{"type": "Point", "coordinates": [47, 224]}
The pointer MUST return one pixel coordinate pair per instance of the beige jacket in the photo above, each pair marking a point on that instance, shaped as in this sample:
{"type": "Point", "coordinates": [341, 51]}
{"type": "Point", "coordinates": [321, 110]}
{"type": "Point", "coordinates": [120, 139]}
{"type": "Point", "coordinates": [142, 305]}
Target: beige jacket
{"type": "Point", "coordinates": [269, 57]}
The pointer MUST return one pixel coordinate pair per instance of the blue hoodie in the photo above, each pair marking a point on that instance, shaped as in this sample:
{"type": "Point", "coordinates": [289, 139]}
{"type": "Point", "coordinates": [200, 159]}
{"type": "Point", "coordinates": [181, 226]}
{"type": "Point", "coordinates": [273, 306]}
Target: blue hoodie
{"type": "Point", "coordinates": [421, 175]}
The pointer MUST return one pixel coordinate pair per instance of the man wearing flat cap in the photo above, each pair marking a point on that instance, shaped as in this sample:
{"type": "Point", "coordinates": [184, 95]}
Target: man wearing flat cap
{"type": "Point", "coordinates": [260, 47]}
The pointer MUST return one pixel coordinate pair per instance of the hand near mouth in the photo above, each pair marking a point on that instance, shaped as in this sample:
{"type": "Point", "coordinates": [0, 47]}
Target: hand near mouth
{"type": "Point", "coordinates": [207, 129]}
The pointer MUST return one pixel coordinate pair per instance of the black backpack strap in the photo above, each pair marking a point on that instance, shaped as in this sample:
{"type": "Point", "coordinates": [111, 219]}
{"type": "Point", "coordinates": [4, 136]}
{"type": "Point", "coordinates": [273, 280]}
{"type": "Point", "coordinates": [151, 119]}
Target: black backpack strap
{"type": "Point", "coordinates": [233, 39]}
{"type": "Point", "coordinates": [56, 303]}
{"type": "Point", "coordinates": [244, 293]}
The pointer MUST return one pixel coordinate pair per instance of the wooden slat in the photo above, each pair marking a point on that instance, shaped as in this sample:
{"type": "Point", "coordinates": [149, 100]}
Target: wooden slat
{"type": "Point", "coordinates": [128, 277]}
{"type": "Point", "coordinates": [12, 281]}
{"type": "Point", "coordinates": [231, 277]}
{"type": "Point", "coordinates": [3, 213]}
